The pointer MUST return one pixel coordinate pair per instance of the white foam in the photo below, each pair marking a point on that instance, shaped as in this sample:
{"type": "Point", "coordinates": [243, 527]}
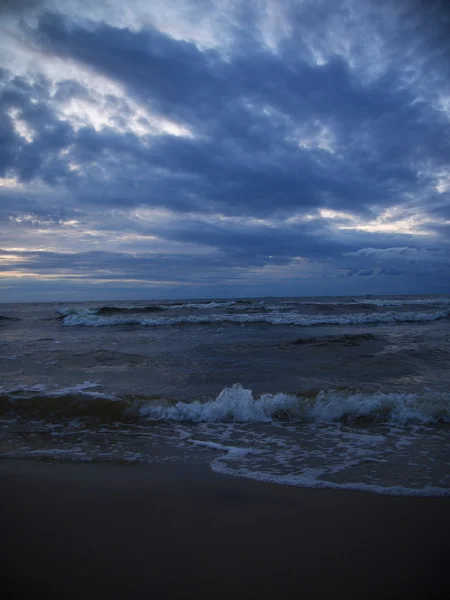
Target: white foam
{"type": "Point", "coordinates": [92, 320]}
{"type": "Point", "coordinates": [86, 388]}
{"type": "Point", "coordinates": [65, 311]}
{"type": "Point", "coordinates": [236, 404]}
{"type": "Point", "coordinates": [26, 388]}
{"type": "Point", "coordinates": [310, 479]}
{"type": "Point", "coordinates": [235, 451]}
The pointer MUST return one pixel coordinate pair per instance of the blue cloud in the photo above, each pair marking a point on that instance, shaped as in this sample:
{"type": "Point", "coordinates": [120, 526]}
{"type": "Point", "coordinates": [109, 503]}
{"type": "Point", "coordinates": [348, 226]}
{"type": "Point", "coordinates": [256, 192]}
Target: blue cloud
{"type": "Point", "coordinates": [263, 153]}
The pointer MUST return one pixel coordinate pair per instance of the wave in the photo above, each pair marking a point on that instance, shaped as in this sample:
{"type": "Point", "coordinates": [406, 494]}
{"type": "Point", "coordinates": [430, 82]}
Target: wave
{"type": "Point", "coordinates": [94, 320]}
{"type": "Point", "coordinates": [107, 310]}
{"type": "Point", "coordinates": [234, 404]}
{"type": "Point", "coordinates": [237, 404]}
{"type": "Point", "coordinates": [205, 305]}
{"type": "Point", "coordinates": [248, 307]}
{"type": "Point", "coordinates": [64, 311]}
{"type": "Point", "coordinates": [6, 319]}
{"type": "Point", "coordinates": [380, 302]}
{"type": "Point", "coordinates": [139, 309]}
{"type": "Point", "coordinates": [403, 302]}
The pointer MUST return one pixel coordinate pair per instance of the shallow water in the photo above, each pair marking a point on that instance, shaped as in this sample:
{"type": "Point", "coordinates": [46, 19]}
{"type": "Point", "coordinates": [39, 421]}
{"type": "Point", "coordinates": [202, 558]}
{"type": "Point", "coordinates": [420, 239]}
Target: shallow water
{"type": "Point", "coordinates": [343, 392]}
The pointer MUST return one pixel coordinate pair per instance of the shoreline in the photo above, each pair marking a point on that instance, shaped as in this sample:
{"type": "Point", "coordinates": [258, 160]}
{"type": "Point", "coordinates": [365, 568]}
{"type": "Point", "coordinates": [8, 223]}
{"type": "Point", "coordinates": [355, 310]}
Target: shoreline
{"type": "Point", "coordinates": [98, 531]}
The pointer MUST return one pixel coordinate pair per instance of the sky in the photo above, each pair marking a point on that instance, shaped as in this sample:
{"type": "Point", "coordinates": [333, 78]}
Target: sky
{"type": "Point", "coordinates": [223, 148]}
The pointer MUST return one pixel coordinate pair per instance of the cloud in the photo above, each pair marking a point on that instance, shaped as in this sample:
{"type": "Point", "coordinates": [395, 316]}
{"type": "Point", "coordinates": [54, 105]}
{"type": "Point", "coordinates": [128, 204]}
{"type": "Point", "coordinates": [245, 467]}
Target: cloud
{"type": "Point", "coordinates": [405, 261]}
{"type": "Point", "coordinates": [15, 7]}
{"type": "Point", "coordinates": [270, 132]}
{"type": "Point", "coordinates": [386, 253]}
{"type": "Point", "coordinates": [253, 119]}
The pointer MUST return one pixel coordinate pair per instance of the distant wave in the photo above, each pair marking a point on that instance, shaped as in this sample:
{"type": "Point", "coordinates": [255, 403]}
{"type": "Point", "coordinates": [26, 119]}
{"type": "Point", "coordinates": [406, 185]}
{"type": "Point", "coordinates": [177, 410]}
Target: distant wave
{"type": "Point", "coordinates": [233, 404]}
{"type": "Point", "coordinates": [403, 302]}
{"type": "Point", "coordinates": [379, 302]}
{"type": "Point", "coordinates": [106, 310]}
{"type": "Point", "coordinates": [5, 319]}
{"type": "Point", "coordinates": [95, 320]}
{"type": "Point", "coordinates": [248, 306]}
{"type": "Point", "coordinates": [204, 305]}
{"type": "Point", "coordinates": [140, 309]}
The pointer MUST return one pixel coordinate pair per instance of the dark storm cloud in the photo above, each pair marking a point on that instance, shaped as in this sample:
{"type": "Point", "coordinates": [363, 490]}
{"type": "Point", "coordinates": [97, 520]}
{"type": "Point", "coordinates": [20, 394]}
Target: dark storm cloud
{"type": "Point", "coordinates": [273, 134]}
{"type": "Point", "coordinates": [245, 158]}
{"type": "Point", "coordinates": [29, 101]}
{"type": "Point", "coordinates": [407, 261]}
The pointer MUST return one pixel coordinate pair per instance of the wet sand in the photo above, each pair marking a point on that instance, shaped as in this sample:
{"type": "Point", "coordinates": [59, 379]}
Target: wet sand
{"type": "Point", "coordinates": [82, 531]}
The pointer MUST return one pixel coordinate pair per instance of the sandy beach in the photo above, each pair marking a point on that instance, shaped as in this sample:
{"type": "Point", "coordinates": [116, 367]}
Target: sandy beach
{"type": "Point", "coordinates": [114, 531]}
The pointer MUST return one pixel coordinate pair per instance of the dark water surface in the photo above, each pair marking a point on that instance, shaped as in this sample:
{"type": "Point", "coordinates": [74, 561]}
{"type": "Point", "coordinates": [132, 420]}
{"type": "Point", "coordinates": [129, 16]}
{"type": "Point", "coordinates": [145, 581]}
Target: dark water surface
{"type": "Point", "coordinates": [351, 392]}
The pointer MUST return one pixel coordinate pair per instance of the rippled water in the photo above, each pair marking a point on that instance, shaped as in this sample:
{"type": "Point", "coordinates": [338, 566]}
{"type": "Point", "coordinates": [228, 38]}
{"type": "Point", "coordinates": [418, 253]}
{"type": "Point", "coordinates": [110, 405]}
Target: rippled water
{"type": "Point", "coordinates": [351, 392]}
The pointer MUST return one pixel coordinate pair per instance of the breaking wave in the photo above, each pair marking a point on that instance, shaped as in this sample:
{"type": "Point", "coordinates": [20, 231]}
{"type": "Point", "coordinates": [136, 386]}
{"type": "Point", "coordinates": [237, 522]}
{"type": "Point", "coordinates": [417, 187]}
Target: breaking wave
{"type": "Point", "coordinates": [89, 319]}
{"type": "Point", "coordinates": [234, 404]}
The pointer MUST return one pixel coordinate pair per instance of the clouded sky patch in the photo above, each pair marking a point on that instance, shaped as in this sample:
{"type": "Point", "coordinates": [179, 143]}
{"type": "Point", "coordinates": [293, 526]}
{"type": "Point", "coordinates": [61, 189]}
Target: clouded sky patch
{"type": "Point", "coordinates": [208, 148]}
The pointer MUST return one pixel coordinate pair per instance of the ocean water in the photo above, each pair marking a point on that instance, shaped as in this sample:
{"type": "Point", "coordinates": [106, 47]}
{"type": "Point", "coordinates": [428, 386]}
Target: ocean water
{"type": "Point", "coordinates": [320, 392]}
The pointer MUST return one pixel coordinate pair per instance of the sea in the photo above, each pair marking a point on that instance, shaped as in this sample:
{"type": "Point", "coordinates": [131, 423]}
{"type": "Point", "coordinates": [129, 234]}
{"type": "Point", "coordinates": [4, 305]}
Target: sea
{"type": "Point", "coordinates": [325, 392]}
